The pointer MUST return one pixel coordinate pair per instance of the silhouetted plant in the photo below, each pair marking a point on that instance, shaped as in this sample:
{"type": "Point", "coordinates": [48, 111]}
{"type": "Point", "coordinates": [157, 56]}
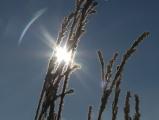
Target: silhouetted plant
{"type": "Point", "coordinates": [72, 28]}
{"type": "Point", "coordinates": [127, 107]}
{"type": "Point", "coordinates": [137, 113]}
{"type": "Point", "coordinates": [71, 31]}
{"type": "Point", "coordinates": [90, 113]}
{"type": "Point", "coordinates": [109, 83]}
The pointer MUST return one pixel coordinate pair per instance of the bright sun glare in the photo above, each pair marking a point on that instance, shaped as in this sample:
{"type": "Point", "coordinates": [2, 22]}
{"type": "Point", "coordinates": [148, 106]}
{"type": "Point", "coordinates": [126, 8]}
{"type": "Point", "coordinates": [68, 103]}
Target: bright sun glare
{"type": "Point", "coordinates": [62, 54]}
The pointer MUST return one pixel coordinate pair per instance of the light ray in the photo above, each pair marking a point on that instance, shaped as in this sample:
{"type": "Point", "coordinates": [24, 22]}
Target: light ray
{"type": "Point", "coordinates": [47, 38]}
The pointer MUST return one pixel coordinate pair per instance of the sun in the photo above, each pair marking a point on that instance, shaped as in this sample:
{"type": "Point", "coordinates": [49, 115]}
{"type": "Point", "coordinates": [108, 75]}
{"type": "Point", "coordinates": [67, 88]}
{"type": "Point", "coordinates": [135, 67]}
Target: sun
{"type": "Point", "coordinates": [62, 54]}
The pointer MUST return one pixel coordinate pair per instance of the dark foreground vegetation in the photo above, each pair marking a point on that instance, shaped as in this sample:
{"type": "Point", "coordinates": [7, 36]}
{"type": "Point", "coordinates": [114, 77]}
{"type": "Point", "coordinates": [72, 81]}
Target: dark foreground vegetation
{"type": "Point", "coordinates": [51, 101]}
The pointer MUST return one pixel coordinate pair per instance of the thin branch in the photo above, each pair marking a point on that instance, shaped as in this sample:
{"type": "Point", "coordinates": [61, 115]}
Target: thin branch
{"type": "Point", "coordinates": [62, 96]}
{"type": "Point", "coordinates": [101, 60]}
{"type": "Point", "coordinates": [127, 107]}
{"type": "Point", "coordinates": [108, 91]}
{"type": "Point", "coordinates": [128, 54]}
{"type": "Point", "coordinates": [90, 113]}
{"type": "Point", "coordinates": [137, 113]}
{"type": "Point", "coordinates": [116, 99]}
{"type": "Point", "coordinates": [64, 92]}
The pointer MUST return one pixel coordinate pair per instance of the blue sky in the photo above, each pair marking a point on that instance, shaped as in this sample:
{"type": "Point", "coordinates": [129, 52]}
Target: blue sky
{"type": "Point", "coordinates": [116, 24]}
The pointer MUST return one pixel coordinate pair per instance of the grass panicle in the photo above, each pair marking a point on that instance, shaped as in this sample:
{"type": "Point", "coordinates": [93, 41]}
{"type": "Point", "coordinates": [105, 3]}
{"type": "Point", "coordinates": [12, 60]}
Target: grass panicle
{"type": "Point", "coordinates": [112, 82]}
{"type": "Point", "coordinates": [90, 113]}
{"type": "Point", "coordinates": [137, 103]}
{"type": "Point", "coordinates": [116, 99]}
{"type": "Point", "coordinates": [72, 29]}
{"type": "Point", "coordinates": [127, 107]}
{"type": "Point", "coordinates": [101, 60]}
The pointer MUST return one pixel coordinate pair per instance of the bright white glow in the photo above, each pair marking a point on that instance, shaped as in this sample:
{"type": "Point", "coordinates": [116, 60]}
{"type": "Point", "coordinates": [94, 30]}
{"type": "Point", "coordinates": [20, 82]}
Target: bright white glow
{"type": "Point", "coordinates": [62, 54]}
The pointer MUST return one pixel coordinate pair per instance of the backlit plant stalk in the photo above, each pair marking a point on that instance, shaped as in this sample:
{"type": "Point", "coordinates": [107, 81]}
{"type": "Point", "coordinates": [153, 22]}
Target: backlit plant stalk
{"type": "Point", "coordinates": [90, 113]}
{"type": "Point", "coordinates": [109, 82]}
{"type": "Point", "coordinates": [137, 103]}
{"type": "Point", "coordinates": [127, 107]}
{"type": "Point", "coordinates": [71, 31]}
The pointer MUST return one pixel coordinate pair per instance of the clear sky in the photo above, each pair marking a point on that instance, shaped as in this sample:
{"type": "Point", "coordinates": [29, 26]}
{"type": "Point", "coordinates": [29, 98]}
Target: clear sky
{"type": "Point", "coordinates": [116, 24]}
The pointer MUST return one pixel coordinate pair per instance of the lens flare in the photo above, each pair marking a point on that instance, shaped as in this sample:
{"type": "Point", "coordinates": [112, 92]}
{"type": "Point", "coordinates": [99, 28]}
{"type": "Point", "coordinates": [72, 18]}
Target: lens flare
{"type": "Point", "coordinates": [62, 54]}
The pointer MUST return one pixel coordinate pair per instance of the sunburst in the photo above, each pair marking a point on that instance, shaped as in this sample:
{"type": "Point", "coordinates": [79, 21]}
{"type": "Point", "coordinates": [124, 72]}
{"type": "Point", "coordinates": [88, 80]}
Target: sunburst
{"type": "Point", "coordinates": [62, 54]}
